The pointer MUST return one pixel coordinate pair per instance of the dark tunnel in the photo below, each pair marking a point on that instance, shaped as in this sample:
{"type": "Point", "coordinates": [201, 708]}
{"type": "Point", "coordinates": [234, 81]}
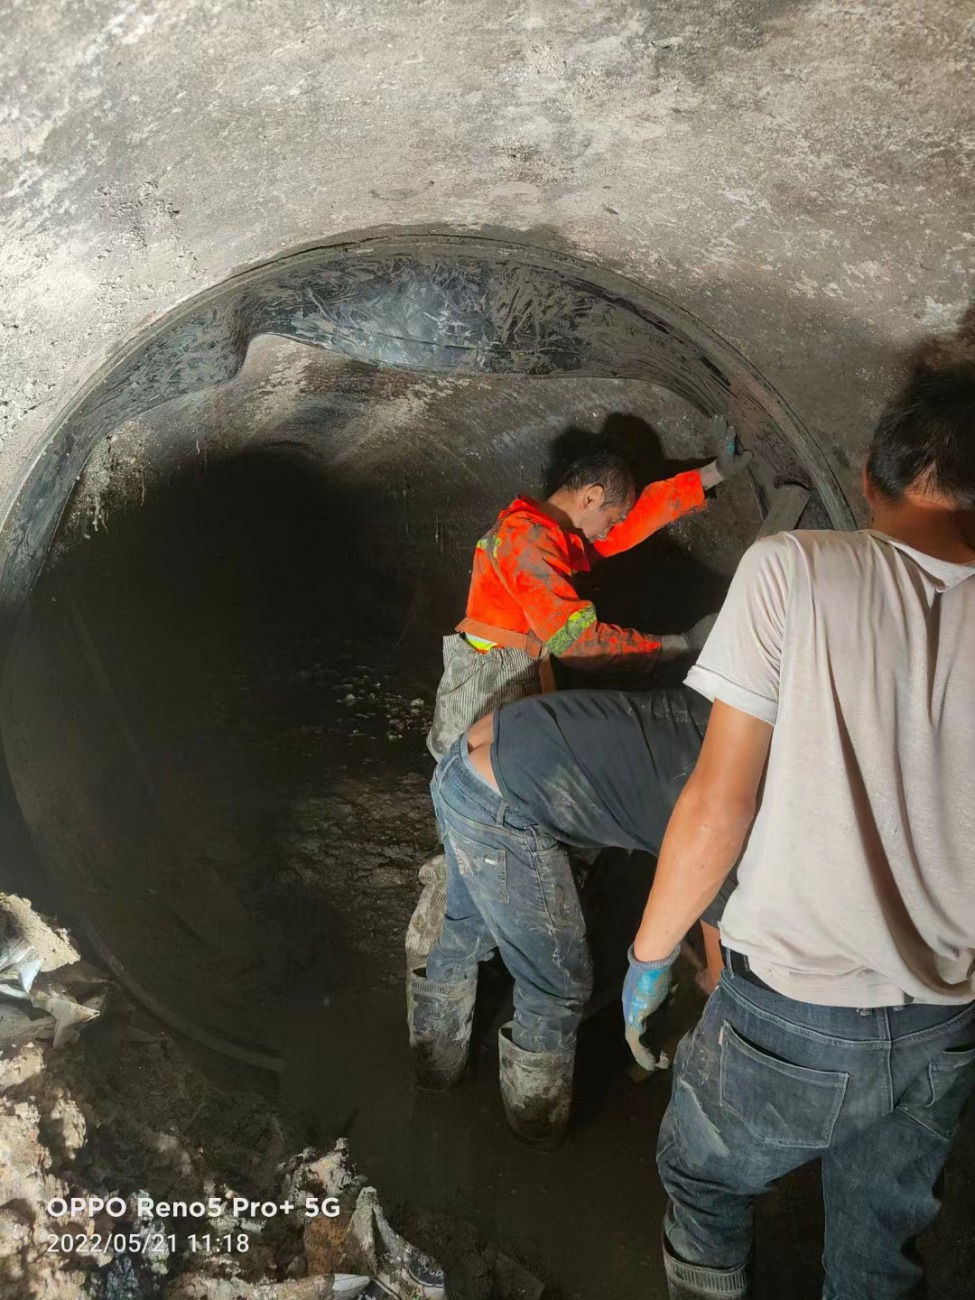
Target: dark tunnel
{"type": "Point", "coordinates": [226, 582]}
{"type": "Point", "coordinates": [225, 671]}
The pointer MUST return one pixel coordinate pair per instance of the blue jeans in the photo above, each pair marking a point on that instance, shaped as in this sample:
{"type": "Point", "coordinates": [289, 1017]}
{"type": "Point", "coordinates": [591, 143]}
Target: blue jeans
{"type": "Point", "coordinates": [510, 888]}
{"type": "Point", "coordinates": [763, 1085]}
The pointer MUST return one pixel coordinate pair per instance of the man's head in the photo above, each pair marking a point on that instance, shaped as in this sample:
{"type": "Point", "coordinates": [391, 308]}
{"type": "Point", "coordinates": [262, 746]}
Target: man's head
{"type": "Point", "coordinates": [596, 492]}
{"type": "Point", "coordinates": [923, 450]}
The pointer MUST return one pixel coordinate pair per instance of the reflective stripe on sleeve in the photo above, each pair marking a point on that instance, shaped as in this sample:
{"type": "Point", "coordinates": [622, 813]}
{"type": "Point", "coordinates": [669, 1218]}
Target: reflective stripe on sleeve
{"type": "Point", "coordinates": [571, 630]}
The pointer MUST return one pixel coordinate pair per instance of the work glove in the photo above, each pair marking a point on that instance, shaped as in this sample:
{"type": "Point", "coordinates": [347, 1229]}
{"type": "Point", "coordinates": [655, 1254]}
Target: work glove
{"type": "Point", "coordinates": [645, 990]}
{"type": "Point", "coordinates": [732, 458]}
{"type": "Point", "coordinates": [699, 633]}
{"type": "Point", "coordinates": [675, 645]}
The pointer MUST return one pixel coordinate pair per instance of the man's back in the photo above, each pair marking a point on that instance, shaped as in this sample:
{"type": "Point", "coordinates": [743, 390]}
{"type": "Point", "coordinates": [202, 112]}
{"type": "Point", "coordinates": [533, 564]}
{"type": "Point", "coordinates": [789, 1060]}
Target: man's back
{"type": "Point", "coordinates": [599, 768]}
{"type": "Point", "coordinates": [837, 770]}
{"type": "Point", "coordinates": [857, 885]}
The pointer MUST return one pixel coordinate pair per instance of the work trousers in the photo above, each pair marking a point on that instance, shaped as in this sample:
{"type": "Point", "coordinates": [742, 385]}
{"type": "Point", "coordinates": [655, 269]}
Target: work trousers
{"type": "Point", "coordinates": [509, 888]}
{"type": "Point", "coordinates": [765, 1084]}
{"type": "Point", "coordinates": [473, 684]}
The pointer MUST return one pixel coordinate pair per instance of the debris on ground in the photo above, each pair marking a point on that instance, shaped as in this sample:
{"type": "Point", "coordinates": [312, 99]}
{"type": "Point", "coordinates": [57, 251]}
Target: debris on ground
{"type": "Point", "coordinates": [38, 998]}
{"type": "Point", "coordinates": [365, 704]}
{"type": "Point", "coordinates": [350, 1250]}
{"type": "Point", "coordinates": [52, 945]}
{"type": "Point", "coordinates": [128, 1173]}
{"type": "Point", "coordinates": [336, 1287]}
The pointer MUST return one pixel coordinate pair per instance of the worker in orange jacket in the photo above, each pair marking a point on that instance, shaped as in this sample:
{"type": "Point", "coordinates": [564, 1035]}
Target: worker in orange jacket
{"type": "Point", "coordinates": [523, 607]}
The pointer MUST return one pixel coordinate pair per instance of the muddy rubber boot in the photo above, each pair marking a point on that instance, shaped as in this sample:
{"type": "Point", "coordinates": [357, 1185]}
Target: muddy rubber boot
{"type": "Point", "coordinates": [440, 1017]}
{"type": "Point", "coordinates": [536, 1088]}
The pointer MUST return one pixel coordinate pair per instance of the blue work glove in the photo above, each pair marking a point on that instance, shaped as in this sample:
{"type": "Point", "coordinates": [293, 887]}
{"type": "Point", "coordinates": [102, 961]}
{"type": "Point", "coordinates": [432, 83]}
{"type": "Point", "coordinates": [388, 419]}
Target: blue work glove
{"type": "Point", "coordinates": [645, 990]}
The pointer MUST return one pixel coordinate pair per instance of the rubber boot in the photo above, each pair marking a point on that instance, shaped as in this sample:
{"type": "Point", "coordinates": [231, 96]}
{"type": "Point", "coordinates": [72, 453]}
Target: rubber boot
{"type": "Point", "coordinates": [536, 1088]}
{"type": "Point", "coordinates": [440, 1017]}
{"type": "Point", "coordinates": [693, 1282]}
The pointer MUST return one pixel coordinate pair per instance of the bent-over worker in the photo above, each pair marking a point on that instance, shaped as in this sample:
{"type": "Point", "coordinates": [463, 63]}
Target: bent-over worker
{"type": "Point", "coordinates": [523, 605]}
{"type": "Point", "coordinates": [586, 769]}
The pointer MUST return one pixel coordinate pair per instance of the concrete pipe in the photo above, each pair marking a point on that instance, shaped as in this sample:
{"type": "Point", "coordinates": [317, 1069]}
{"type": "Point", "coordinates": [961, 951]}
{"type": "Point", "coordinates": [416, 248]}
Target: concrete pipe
{"type": "Point", "coordinates": [252, 528]}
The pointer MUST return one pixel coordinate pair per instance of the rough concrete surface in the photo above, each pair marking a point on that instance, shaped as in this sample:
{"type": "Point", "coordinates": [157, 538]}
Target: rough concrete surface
{"type": "Point", "coordinates": [798, 174]}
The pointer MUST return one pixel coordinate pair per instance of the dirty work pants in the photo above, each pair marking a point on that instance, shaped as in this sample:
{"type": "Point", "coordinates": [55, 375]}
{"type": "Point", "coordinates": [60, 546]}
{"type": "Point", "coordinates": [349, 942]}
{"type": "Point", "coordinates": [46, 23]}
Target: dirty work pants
{"type": "Point", "coordinates": [764, 1084]}
{"type": "Point", "coordinates": [510, 888]}
{"type": "Point", "coordinates": [473, 684]}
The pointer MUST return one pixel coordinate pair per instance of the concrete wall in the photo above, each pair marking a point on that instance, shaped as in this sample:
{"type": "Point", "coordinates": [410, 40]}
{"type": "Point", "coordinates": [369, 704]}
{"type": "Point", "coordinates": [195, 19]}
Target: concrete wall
{"type": "Point", "coordinates": [797, 174]}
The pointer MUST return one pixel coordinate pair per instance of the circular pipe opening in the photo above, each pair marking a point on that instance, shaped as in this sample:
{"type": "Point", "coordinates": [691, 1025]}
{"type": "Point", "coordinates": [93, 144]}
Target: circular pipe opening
{"type": "Point", "coordinates": [226, 578]}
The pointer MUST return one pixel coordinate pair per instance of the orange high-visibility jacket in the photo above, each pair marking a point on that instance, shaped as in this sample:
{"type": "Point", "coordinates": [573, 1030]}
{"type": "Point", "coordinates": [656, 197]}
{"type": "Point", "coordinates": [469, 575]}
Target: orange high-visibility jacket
{"type": "Point", "coordinates": [522, 578]}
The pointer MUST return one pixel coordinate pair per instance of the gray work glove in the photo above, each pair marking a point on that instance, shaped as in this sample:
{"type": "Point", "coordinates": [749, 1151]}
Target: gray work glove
{"type": "Point", "coordinates": [676, 645]}
{"type": "Point", "coordinates": [699, 633]}
{"type": "Point", "coordinates": [731, 459]}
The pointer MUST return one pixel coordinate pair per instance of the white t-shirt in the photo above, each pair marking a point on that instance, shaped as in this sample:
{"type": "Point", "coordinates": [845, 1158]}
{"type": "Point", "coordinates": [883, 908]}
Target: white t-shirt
{"type": "Point", "coordinates": [857, 883]}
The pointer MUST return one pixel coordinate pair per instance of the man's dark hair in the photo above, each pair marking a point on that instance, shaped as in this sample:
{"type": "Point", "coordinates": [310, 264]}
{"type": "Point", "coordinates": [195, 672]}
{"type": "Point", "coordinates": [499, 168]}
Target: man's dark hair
{"type": "Point", "coordinates": [927, 435]}
{"type": "Point", "coordinates": [604, 468]}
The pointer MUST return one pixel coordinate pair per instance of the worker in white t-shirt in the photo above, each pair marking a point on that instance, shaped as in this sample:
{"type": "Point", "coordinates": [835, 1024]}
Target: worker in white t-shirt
{"type": "Point", "coordinates": [839, 766]}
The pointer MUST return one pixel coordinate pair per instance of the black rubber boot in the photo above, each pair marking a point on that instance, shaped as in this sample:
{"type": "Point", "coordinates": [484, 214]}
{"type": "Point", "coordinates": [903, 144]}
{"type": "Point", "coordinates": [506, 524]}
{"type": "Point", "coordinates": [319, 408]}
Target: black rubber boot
{"type": "Point", "coordinates": [536, 1088]}
{"type": "Point", "coordinates": [440, 1017]}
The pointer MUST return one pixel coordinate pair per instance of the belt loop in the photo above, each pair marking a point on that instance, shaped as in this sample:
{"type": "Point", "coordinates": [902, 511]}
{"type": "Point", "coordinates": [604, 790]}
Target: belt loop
{"type": "Point", "coordinates": [502, 811]}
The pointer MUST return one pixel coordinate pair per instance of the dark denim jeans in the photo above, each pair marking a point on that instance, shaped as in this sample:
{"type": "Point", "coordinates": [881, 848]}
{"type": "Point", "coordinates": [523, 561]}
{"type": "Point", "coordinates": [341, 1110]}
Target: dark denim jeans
{"type": "Point", "coordinates": [764, 1084]}
{"type": "Point", "coordinates": [510, 887]}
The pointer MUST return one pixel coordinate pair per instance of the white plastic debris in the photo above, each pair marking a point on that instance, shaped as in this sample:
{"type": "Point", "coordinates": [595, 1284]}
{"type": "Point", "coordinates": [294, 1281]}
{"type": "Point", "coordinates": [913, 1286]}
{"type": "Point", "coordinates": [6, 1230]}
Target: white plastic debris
{"type": "Point", "coordinates": [401, 1270]}
{"type": "Point", "coordinates": [68, 1013]}
{"type": "Point", "coordinates": [18, 1026]}
{"type": "Point", "coordinates": [66, 997]}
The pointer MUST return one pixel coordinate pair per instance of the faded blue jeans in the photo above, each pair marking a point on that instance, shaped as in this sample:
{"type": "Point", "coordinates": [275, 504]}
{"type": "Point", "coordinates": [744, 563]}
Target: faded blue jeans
{"type": "Point", "coordinates": [764, 1084]}
{"type": "Point", "coordinates": [510, 888]}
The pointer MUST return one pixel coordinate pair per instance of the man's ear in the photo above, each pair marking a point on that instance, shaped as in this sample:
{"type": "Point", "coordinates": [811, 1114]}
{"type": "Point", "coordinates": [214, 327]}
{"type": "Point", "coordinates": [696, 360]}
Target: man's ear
{"type": "Point", "coordinates": [594, 497]}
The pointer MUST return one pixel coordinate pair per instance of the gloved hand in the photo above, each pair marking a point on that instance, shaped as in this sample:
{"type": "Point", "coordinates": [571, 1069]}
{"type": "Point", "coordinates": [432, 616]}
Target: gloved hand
{"type": "Point", "coordinates": [732, 458]}
{"type": "Point", "coordinates": [674, 645]}
{"type": "Point", "coordinates": [699, 633]}
{"type": "Point", "coordinates": [645, 990]}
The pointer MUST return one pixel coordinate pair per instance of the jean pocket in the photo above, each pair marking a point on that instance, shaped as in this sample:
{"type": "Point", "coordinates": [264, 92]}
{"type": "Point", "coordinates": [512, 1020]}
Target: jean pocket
{"type": "Point", "coordinates": [484, 867]}
{"type": "Point", "coordinates": [781, 1104]}
{"type": "Point", "coordinates": [937, 1098]}
{"type": "Point", "coordinates": [559, 894]}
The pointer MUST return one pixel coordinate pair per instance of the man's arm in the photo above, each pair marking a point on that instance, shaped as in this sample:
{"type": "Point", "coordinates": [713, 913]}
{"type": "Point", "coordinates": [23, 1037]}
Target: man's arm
{"type": "Point", "coordinates": [703, 842]}
{"type": "Point", "coordinates": [658, 504]}
{"type": "Point", "coordinates": [707, 830]}
{"type": "Point", "coordinates": [534, 567]}
{"type": "Point", "coordinates": [661, 503]}
{"type": "Point", "coordinates": [740, 669]}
